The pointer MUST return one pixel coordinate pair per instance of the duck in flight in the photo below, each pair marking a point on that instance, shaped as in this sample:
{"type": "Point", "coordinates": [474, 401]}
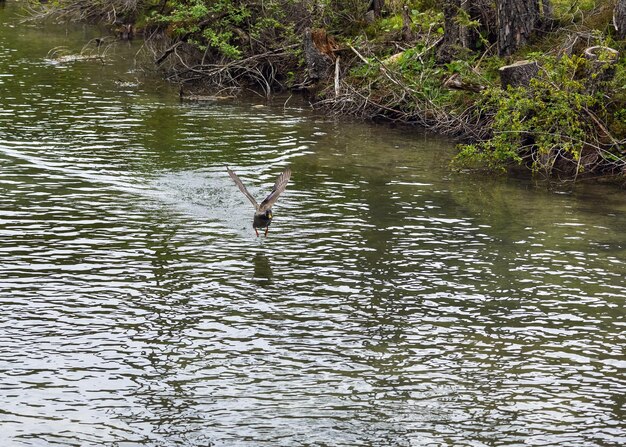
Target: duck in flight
{"type": "Point", "coordinates": [263, 212]}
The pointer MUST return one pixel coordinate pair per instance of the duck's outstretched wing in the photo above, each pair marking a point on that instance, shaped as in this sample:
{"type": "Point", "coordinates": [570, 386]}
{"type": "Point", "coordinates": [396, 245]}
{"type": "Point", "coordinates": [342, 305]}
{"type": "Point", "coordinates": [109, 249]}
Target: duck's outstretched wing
{"type": "Point", "coordinates": [279, 187]}
{"type": "Point", "coordinates": [242, 187]}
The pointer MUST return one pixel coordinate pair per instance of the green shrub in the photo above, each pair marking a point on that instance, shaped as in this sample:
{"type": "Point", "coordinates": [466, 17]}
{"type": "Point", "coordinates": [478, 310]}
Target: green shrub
{"type": "Point", "coordinates": [552, 120]}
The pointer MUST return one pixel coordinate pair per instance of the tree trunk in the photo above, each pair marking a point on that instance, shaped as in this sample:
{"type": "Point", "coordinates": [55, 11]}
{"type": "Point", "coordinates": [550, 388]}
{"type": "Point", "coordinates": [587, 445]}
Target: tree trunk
{"type": "Point", "coordinates": [407, 33]}
{"type": "Point", "coordinates": [377, 6]}
{"type": "Point", "coordinates": [452, 28]}
{"type": "Point", "coordinates": [516, 21]}
{"type": "Point", "coordinates": [619, 19]}
{"type": "Point", "coordinates": [318, 53]}
{"type": "Point", "coordinates": [454, 36]}
{"type": "Point", "coordinates": [518, 74]}
{"type": "Point", "coordinates": [459, 38]}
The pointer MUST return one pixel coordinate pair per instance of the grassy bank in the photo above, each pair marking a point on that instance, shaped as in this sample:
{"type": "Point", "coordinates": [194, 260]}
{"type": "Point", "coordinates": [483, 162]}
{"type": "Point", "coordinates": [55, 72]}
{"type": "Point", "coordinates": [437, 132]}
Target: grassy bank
{"type": "Point", "coordinates": [390, 60]}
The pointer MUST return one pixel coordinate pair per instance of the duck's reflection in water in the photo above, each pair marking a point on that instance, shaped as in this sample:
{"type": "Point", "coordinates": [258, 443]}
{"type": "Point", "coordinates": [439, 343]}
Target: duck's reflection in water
{"type": "Point", "coordinates": [262, 269]}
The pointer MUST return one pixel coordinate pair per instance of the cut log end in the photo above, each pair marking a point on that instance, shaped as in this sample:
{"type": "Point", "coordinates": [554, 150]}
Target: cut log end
{"type": "Point", "coordinates": [600, 53]}
{"type": "Point", "coordinates": [601, 66]}
{"type": "Point", "coordinates": [518, 74]}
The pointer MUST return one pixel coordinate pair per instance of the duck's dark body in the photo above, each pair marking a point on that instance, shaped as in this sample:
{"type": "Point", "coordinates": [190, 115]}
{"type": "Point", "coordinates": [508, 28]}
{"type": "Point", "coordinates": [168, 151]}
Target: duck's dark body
{"type": "Point", "coordinates": [263, 212]}
{"type": "Point", "coordinates": [262, 220]}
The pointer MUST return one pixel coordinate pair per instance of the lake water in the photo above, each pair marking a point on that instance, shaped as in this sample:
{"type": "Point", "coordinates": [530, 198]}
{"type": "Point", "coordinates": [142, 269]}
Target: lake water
{"type": "Point", "coordinates": [393, 303]}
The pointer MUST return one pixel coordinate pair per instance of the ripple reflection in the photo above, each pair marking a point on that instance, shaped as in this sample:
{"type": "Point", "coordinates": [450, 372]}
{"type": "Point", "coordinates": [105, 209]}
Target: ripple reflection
{"type": "Point", "coordinates": [391, 304]}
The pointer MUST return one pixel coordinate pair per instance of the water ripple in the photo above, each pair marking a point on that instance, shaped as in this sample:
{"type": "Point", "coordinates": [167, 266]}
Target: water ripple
{"type": "Point", "coordinates": [391, 304]}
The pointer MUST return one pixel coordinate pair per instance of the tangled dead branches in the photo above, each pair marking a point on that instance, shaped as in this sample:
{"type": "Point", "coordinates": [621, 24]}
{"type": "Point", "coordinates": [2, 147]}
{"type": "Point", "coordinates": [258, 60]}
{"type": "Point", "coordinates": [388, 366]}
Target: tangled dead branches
{"type": "Point", "coordinates": [114, 11]}
{"type": "Point", "coordinates": [401, 101]}
{"type": "Point", "coordinates": [184, 63]}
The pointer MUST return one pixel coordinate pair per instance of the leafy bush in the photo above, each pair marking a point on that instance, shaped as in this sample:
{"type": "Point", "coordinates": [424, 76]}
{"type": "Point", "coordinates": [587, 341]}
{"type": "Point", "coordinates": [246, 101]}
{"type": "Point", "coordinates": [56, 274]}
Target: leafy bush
{"type": "Point", "coordinates": [549, 125]}
{"type": "Point", "coordinates": [207, 24]}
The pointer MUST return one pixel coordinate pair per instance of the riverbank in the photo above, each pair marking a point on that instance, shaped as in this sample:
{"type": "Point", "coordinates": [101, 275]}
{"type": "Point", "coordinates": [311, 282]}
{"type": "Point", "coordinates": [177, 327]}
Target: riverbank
{"type": "Point", "coordinates": [414, 62]}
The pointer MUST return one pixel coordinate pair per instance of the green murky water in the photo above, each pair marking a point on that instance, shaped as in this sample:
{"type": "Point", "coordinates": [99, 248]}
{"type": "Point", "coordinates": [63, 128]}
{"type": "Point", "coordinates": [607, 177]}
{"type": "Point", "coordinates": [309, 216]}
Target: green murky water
{"type": "Point", "coordinates": [392, 304]}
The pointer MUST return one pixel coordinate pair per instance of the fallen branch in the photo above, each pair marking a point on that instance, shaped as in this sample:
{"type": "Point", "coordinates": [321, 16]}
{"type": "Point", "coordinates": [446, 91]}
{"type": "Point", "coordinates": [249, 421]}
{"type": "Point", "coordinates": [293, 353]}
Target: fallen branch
{"type": "Point", "coordinates": [456, 83]}
{"type": "Point", "coordinates": [167, 52]}
{"type": "Point", "coordinates": [359, 54]}
{"type": "Point", "coordinates": [428, 48]}
{"type": "Point", "coordinates": [337, 85]}
{"type": "Point", "coordinates": [604, 130]}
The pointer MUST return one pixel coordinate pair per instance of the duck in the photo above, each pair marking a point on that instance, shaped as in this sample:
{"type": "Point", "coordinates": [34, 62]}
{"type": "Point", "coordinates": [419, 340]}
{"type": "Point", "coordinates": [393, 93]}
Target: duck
{"type": "Point", "coordinates": [263, 211]}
